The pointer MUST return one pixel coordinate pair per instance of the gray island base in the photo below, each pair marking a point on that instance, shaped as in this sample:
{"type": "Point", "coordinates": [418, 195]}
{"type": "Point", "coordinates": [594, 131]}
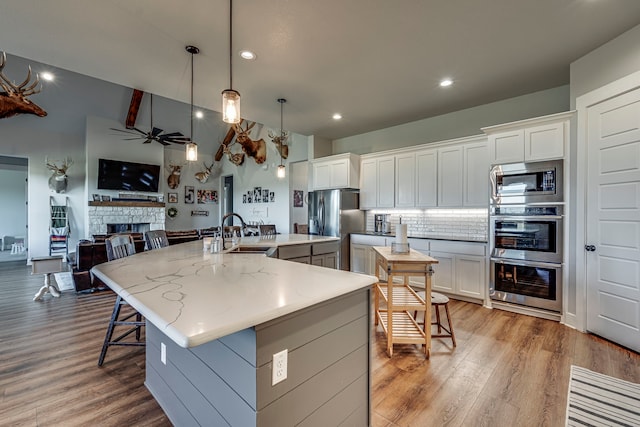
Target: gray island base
{"type": "Point", "coordinates": [228, 381]}
{"type": "Point", "coordinates": [215, 322]}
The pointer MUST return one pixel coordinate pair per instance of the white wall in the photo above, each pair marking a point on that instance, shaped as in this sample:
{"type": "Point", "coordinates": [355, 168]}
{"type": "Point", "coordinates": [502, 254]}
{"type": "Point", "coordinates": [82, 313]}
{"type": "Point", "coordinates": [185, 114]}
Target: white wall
{"type": "Point", "coordinates": [13, 193]}
{"type": "Point", "coordinates": [20, 139]}
{"type": "Point", "coordinates": [457, 124]}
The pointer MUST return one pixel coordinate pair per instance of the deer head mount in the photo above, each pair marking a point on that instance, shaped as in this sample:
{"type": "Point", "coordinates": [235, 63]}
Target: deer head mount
{"type": "Point", "coordinates": [173, 180]}
{"type": "Point", "coordinates": [203, 176]}
{"type": "Point", "coordinates": [14, 100]}
{"type": "Point", "coordinates": [256, 149]}
{"type": "Point", "coordinates": [280, 140]}
{"type": "Point", "coordinates": [58, 180]}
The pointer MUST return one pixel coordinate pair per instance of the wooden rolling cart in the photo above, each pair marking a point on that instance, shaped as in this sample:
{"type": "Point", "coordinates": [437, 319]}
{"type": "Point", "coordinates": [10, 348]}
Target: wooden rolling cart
{"type": "Point", "coordinates": [401, 300]}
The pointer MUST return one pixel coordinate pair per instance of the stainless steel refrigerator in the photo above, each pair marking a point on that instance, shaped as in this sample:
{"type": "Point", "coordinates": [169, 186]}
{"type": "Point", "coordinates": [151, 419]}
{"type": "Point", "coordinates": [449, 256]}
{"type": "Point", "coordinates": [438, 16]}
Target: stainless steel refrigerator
{"type": "Point", "coordinates": [335, 213]}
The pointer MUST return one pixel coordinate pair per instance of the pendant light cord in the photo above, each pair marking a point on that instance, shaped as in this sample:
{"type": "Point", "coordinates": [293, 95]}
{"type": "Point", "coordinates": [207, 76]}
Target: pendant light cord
{"type": "Point", "coordinates": [231, 44]}
{"type": "Point", "coordinates": [191, 134]}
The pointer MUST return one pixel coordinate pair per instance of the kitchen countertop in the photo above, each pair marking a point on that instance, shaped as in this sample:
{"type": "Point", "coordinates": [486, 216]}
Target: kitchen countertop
{"type": "Point", "coordinates": [284, 240]}
{"type": "Point", "coordinates": [195, 297]}
{"type": "Point", "coordinates": [455, 239]}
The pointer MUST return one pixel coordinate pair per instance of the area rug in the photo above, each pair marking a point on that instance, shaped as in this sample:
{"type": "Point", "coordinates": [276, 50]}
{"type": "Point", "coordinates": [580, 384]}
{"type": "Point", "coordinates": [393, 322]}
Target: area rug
{"type": "Point", "coordinates": [599, 400]}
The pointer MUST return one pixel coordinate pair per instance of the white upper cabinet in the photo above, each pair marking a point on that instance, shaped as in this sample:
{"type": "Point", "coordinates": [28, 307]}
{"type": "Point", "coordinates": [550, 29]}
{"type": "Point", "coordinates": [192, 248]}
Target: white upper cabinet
{"type": "Point", "coordinates": [542, 138]}
{"type": "Point", "coordinates": [405, 180]}
{"type": "Point", "coordinates": [476, 175]}
{"type": "Point", "coordinates": [339, 171]}
{"type": "Point", "coordinates": [450, 176]}
{"type": "Point", "coordinates": [377, 180]}
{"type": "Point", "coordinates": [427, 178]}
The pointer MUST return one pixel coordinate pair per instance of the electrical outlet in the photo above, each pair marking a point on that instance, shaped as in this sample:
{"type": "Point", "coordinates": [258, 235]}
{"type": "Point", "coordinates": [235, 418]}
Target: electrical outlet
{"type": "Point", "coordinates": [163, 353]}
{"type": "Point", "coordinates": [279, 368]}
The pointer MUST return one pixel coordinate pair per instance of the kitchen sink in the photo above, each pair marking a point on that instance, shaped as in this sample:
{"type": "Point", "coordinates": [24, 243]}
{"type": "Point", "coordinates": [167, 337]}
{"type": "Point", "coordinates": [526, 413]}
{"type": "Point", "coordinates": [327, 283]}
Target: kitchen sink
{"type": "Point", "coordinates": [269, 251]}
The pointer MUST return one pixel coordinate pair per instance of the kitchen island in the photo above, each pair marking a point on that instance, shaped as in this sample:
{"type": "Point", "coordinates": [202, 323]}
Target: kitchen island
{"type": "Point", "coordinates": [214, 322]}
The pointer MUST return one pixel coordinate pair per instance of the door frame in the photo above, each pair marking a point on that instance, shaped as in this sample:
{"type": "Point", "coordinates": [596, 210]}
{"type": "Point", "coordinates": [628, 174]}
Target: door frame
{"type": "Point", "coordinates": [583, 103]}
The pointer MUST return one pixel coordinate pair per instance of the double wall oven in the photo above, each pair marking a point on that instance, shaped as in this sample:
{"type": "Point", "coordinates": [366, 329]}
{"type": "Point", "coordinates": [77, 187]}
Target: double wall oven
{"type": "Point", "coordinates": [526, 234]}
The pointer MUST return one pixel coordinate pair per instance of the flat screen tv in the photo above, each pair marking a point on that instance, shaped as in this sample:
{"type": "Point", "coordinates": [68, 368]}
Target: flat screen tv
{"type": "Point", "coordinates": [127, 176]}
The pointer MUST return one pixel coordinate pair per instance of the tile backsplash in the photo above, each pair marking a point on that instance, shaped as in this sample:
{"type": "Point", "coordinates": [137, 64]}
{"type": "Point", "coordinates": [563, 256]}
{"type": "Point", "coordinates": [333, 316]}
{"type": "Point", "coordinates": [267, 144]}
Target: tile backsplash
{"type": "Point", "coordinates": [464, 224]}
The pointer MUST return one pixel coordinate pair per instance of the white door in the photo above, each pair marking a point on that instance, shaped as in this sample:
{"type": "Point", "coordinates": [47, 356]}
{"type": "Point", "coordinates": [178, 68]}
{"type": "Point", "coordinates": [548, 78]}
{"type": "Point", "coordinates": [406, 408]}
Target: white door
{"type": "Point", "coordinates": [613, 219]}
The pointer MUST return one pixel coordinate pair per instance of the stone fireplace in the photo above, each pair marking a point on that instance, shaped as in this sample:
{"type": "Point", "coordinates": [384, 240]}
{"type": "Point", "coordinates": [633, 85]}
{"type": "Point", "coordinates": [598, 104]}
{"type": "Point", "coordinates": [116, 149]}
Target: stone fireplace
{"type": "Point", "coordinates": [126, 216]}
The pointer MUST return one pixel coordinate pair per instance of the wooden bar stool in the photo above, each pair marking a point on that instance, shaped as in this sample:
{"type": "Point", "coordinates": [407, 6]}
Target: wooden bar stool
{"type": "Point", "coordinates": [438, 300]}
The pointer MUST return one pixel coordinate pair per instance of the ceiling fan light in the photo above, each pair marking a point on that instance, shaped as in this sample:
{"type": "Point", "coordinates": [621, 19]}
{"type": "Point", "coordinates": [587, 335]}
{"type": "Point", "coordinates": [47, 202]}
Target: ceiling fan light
{"type": "Point", "coordinates": [192, 151]}
{"type": "Point", "coordinates": [281, 173]}
{"type": "Point", "coordinates": [230, 106]}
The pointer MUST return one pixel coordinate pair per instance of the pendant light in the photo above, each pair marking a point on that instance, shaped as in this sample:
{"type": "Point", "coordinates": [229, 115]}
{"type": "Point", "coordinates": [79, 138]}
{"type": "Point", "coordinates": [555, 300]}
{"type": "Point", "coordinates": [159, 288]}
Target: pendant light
{"type": "Point", "coordinates": [230, 97]}
{"type": "Point", "coordinates": [281, 173]}
{"type": "Point", "coordinates": [192, 147]}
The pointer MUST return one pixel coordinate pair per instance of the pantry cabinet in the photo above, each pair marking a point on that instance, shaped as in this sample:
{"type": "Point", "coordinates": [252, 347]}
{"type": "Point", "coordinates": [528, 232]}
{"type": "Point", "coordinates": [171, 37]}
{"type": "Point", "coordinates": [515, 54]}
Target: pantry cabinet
{"type": "Point", "coordinates": [541, 138]}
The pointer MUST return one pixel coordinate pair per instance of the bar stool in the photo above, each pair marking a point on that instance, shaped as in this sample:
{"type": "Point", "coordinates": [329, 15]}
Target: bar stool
{"type": "Point", "coordinates": [438, 300]}
{"type": "Point", "coordinates": [120, 246]}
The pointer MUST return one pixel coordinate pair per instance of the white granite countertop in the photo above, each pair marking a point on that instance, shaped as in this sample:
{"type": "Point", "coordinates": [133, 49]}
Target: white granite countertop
{"type": "Point", "coordinates": [195, 297]}
{"type": "Point", "coordinates": [284, 240]}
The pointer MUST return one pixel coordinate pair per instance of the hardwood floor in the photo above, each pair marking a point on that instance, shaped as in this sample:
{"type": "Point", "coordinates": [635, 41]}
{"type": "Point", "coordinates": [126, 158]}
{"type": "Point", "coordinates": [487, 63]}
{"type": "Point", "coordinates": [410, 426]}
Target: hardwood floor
{"type": "Point", "coordinates": [507, 370]}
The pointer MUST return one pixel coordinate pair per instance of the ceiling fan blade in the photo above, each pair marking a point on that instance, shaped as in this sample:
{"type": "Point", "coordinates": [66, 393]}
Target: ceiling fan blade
{"type": "Point", "coordinates": [123, 130]}
{"type": "Point", "coordinates": [156, 131]}
{"type": "Point", "coordinates": [172, 134]}
{"type": "Point", "coordinates": [162, 142]}
{"type": "Point", "coordinates": [138, 130]}
{"type": "Point", "coordinates": [148, 141]}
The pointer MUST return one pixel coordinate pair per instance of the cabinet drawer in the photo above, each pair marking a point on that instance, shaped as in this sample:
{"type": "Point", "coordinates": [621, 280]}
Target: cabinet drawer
{"type": "Point", "coordinates": [294, 251]}
{"type": "Point", "coordinates": [462, 248]}
{"type": "Point", "coordinates": [325, 248]}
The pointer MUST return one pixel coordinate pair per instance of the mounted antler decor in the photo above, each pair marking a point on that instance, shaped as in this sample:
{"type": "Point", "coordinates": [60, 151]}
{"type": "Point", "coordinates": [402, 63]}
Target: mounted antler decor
{"type": "Point", "coordinates": [58, 180]}
{"type": "Point", "coordinates": [208, 171]}
{"type": "Point", "coordinates": [280, 139]}
{"type": "Point", "coordinates": [173, 180]}
{"type": "Point", "coordinates": [256, 149]}
{"type": "Point", "coordinates": [13, 100]}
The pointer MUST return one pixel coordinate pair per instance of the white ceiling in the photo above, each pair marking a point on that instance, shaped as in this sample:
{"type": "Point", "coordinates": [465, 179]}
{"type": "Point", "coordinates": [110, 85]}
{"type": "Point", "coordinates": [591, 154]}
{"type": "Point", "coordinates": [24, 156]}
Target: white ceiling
{"type": "Point", "coordinates": [377, 62]}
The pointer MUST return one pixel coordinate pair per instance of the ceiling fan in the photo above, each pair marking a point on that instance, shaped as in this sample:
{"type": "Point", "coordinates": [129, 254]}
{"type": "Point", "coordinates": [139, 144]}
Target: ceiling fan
{"type": "Point", "coordinates": [155, 134]}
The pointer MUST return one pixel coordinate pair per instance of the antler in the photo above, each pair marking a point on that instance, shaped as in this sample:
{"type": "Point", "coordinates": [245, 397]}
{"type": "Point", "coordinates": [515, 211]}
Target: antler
{"type": "Point", "coordinates": [10, 87]}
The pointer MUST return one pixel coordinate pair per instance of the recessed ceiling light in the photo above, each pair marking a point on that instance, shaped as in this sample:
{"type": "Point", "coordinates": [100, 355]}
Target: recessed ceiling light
{"type": "Point", "coordinates": [247, 54]}
{"type": "Point", "coordinates": [199, 114]}
{"type": "Point", "coordinates": [337, 116]}
{"type": "Point", "coordinates": [446, 82]}
{"type": "Point", "coordinates": [47, 76]}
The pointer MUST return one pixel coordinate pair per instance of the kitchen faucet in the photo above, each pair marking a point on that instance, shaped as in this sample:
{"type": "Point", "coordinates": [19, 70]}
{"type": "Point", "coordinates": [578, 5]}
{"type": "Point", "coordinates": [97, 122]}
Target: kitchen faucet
{"type": "Point", "coordinates": [224, 218]}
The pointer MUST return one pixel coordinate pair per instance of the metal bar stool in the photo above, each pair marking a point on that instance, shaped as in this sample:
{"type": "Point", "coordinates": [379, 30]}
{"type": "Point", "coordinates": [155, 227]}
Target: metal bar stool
{"type": "Point", "coordinates": [438, 300]}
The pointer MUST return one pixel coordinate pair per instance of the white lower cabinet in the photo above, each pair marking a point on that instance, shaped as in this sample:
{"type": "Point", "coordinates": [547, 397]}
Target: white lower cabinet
{"type": "Point", "coordinates": [461, 269]}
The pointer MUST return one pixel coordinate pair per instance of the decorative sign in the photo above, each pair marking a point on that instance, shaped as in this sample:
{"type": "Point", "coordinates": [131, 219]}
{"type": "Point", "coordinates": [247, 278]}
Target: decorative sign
{"type": "Point", "coordinates": [207, 196]}
{"type": "Point", "coordinates": [189, 194]}
{"type": "Point", "coordinates": [199, 213]}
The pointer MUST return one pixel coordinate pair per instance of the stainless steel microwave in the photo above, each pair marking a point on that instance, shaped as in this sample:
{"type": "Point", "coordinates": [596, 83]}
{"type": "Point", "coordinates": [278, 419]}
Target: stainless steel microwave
{"type": "Point", "coordinates": [525, 183]}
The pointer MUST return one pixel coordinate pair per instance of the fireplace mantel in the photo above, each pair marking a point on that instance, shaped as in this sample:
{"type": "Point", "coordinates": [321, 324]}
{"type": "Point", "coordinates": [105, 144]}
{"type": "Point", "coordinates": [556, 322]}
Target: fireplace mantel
{"type": "Point", "coordinates": [128, 203]}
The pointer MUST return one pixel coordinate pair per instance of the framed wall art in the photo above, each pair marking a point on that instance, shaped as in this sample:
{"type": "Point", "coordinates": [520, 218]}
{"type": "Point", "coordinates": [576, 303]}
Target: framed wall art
{"type": "Point", "coordinates": [173, 198]}
{"type": "Point", "coordinates": [189, 194]}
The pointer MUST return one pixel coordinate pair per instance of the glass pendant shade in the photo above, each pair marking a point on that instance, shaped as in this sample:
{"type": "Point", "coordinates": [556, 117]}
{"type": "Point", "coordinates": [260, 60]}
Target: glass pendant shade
{"type": "Point", "coordinates": [230, 106]}
{"type": "Point", "coordinates": [192, 151]}
{"type": "Point", "coordinates": [281, 172]}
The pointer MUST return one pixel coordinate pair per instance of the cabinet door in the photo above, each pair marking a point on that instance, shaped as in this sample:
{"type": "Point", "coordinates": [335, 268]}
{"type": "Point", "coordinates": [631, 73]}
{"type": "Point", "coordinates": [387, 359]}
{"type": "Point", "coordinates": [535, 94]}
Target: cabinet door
{"type": "Point", "coordinates": [507, 147]}
{"type": "Point", "coordinates": [476, 175]}
{"type": "Point", "coordinates": [359, 258]}
{"type": "Point", "coordinates": [544, 142]}
{"type": "Point", "coordinates": [450, 177]}
{"type": "Point", "coordinates": [318, 260]}
{"type": "Point", "coordinates": [470, 276]}
{"type": "Point", "coordinates": [443, 279]}
{"type": "Point", "coordinates": [386, 182]}
{"type": "Point", "coordinates": [331, 260]}
{"type": "Point", "coordinates": [405, 180]}
{"type": "Point", "coordinates": [321, 176]}
{"type": "Point", "coordinates": [368, 184]}
{"type": "Point", "coordinates": [339, 174]}
{"type": "Point", "coordinates": [427, 179]}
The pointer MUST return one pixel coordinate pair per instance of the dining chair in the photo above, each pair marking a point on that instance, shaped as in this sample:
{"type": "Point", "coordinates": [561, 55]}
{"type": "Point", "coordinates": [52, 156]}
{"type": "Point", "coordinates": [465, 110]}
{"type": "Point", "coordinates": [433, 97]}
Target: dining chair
{"type": "Point", "coordinates": [267, 230]}
{"type": "Point", "coordinates": [120, 246]}
{"type": "Point", "coordinates": [300, 228]}
{"type": "Point", "coordinates": [156, 239]}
